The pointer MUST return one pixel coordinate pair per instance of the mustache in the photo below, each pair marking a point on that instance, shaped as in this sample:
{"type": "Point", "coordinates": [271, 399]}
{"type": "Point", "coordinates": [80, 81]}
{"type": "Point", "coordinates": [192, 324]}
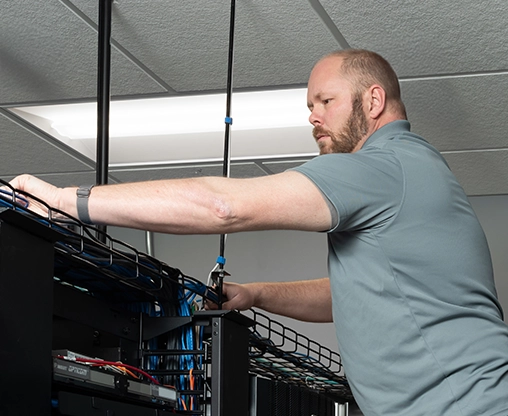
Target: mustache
{"type": "Point", "coordinates": [320, 131]}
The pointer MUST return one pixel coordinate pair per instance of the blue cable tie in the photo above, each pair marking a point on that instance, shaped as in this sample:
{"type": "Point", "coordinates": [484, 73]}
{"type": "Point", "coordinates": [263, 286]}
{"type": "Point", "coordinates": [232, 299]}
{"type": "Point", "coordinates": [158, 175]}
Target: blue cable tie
{"type": "Point", "coordinates": [221, 260]}
{"type": "Point", "coordinates": [228, 120]}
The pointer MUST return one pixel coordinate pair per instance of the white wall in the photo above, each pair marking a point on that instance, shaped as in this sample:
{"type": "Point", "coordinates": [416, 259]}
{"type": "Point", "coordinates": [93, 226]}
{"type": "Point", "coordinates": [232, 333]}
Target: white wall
{"type": "Point", "coordinates": [291, 255]}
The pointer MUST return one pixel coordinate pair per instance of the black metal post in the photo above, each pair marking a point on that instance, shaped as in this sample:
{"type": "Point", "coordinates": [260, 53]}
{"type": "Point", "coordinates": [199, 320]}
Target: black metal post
{"type": "Point", "coordinates": [227, 140]}
{"type": "Point", "coordinates": [103, 96]}
{"type": "Point", "coordinates": [229, 92]}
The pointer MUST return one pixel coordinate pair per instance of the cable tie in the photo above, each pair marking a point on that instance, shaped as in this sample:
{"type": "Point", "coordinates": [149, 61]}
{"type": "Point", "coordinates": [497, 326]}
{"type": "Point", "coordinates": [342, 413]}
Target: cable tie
{"type": "Point", "coordinates": [221, 260]}
{"type": "Point", "coordinates": [228, 120]}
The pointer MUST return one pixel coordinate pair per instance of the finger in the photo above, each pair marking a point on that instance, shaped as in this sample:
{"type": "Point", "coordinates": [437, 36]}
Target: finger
{"type": "Point", "coordinates": [19, 181]}
{"type": "Point", "coordinates": [7, 194]}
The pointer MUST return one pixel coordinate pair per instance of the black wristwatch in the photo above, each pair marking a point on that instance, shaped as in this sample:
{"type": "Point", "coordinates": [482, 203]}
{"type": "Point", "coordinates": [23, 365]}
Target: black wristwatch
{"type": "Point", "coordinates": [82, 194]}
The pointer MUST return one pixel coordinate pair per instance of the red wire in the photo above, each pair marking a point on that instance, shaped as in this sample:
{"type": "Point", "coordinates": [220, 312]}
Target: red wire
{"type": "Point", "coordinates": [191, 383]}
{"type": "Point", "coordinates": [117, 364]}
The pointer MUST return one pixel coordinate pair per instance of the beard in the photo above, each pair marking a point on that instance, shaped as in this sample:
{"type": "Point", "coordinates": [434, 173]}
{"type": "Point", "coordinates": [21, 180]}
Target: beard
{"type": "Point", "coordinates": [345, 141]}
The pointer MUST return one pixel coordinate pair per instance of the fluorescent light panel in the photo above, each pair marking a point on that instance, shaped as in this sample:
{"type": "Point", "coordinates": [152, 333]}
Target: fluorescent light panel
{"type": "Point", "coordinates": [179, 129]}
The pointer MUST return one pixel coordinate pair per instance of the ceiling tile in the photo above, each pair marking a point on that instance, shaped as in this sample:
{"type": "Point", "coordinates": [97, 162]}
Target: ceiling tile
{"type": "Point", "coordinates": [186, 43]}
{"type": "Point", "coordinates": [49, 54]}
{"type": "Point", "coordinates": [427, 37]}
{"type": "Point", "coordinates": [462, 113]}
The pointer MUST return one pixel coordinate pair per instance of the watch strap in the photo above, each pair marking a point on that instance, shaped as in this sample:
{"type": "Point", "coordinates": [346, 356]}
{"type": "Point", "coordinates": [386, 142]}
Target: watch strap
{"type": "Point", "coordinates": [83, 193]}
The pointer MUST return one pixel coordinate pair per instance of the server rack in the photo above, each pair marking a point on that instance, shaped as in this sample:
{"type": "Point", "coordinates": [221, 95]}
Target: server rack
{"type": "Point", "coordinates": [65, 290]}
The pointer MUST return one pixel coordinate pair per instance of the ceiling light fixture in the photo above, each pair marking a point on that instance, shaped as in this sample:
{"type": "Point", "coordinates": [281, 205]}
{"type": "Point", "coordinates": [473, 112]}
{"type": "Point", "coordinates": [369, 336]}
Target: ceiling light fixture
{"type": "Point", "coordinates": [161, 130]}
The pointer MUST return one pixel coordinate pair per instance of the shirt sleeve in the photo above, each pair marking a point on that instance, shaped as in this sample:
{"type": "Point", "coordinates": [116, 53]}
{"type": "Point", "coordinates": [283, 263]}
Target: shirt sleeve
{"type": "Point", "coordinates": [365, 189]}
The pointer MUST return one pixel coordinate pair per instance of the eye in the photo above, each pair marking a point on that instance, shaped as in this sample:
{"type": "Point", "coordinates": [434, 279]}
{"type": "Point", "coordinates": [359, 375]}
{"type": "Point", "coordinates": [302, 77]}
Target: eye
{"type": "Point", "coordinates": [327, 101]}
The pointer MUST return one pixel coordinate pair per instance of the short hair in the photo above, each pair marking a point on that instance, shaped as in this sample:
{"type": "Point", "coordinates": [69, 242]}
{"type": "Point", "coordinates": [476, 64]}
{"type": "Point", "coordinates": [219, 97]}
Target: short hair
{"type": "Point", "coordinates": [364, 68]}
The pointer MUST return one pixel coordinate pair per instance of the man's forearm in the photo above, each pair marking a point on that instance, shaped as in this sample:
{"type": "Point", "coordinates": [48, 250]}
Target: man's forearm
{"type": "Point", "coordinates": [306, 300]}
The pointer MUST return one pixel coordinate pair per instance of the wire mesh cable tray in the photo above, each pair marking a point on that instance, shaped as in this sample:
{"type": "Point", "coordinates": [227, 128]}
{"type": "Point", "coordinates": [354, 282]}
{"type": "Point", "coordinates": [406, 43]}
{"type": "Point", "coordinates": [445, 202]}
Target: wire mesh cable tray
{"type": "Point", "coordinates": [110, 268]}
{"type": "Point", "coordinates": [278, 352]}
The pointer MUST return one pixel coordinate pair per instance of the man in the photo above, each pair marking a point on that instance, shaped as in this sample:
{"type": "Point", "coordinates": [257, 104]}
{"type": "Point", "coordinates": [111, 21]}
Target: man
{"type": "Point", "coordinates": [419, 327]}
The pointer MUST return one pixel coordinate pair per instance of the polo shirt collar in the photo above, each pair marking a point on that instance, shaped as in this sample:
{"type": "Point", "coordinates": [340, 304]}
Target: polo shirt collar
{"type": "Point", "coordinates": [389, 130]}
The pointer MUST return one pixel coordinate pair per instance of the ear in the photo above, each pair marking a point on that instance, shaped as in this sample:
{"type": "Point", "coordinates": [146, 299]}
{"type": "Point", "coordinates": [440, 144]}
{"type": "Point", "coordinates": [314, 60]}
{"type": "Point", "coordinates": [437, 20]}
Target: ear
{"type": "Point", "coordinates": [376, 104]}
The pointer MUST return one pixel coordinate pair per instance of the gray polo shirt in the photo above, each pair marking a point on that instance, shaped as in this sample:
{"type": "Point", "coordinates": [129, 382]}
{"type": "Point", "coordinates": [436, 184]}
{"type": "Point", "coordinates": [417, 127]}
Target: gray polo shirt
{"type": "Point", "coordinates": [418, 322]}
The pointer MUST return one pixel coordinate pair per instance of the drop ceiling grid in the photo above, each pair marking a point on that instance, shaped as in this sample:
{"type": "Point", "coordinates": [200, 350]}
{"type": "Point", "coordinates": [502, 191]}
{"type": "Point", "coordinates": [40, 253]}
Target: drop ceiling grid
{"type": "Point", "coordinates": [49, 54]}
{"type": "Point", "coordinates": [279, 42]}
{"type": "Point", "coordinates": [428, 37]}
{"type": "Point", "coordinates": [163, 35]}
{"type": "Point", "coordinates": [276, 43]}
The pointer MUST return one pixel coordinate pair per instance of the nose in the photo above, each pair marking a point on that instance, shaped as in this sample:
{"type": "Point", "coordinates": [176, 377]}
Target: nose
{"type": "Point", "coordinates": [315, 117]}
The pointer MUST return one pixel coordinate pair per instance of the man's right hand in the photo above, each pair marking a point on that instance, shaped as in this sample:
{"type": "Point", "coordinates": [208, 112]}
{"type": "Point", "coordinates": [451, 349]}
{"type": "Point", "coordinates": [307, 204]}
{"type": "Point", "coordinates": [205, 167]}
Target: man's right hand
{"type": "Point", "coordinates": [238, 296]}
{"type": "Point", "coordinates": [305, 300]}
